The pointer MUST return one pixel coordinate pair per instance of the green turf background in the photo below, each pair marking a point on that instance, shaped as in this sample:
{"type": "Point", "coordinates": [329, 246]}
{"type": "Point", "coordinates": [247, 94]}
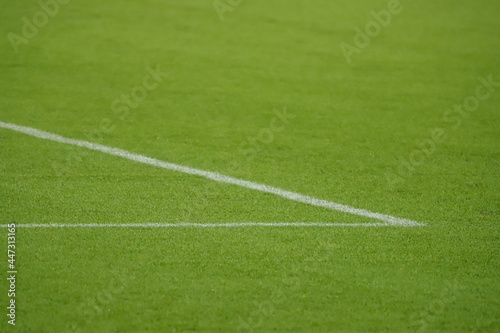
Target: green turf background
{"type": "Point", "coordinates": [352, 125]}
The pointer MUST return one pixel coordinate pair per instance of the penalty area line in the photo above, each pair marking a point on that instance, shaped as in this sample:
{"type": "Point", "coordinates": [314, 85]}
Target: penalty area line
{"type": "Point", "coordinates": [293, 196]}
{"type": "Point", "coordinates": [203, 225]}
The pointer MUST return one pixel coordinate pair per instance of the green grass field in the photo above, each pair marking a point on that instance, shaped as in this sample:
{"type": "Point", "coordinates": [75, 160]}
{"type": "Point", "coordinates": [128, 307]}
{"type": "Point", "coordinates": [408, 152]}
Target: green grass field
{"type": "Point", "coordinates": [262, 91]}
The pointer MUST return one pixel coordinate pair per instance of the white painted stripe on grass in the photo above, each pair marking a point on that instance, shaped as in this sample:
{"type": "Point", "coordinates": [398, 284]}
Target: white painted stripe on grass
{"type": "Point", "coordinates": [211, 175]}
{"type": "Point", "coordinates": [201, 225]}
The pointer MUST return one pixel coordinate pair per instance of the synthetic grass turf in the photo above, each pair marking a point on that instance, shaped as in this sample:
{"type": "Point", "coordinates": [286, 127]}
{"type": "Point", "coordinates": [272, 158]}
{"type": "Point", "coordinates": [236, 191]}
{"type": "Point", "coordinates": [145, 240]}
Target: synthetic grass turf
{"type": "Point", "coordinates": [353, 123]}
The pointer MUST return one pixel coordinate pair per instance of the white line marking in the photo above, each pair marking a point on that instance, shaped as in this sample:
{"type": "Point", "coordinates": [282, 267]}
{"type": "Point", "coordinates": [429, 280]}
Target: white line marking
{"type": "Point", "coordinates": [200, 225]}
{"type": "Point", "coordinates": [392, 220]}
